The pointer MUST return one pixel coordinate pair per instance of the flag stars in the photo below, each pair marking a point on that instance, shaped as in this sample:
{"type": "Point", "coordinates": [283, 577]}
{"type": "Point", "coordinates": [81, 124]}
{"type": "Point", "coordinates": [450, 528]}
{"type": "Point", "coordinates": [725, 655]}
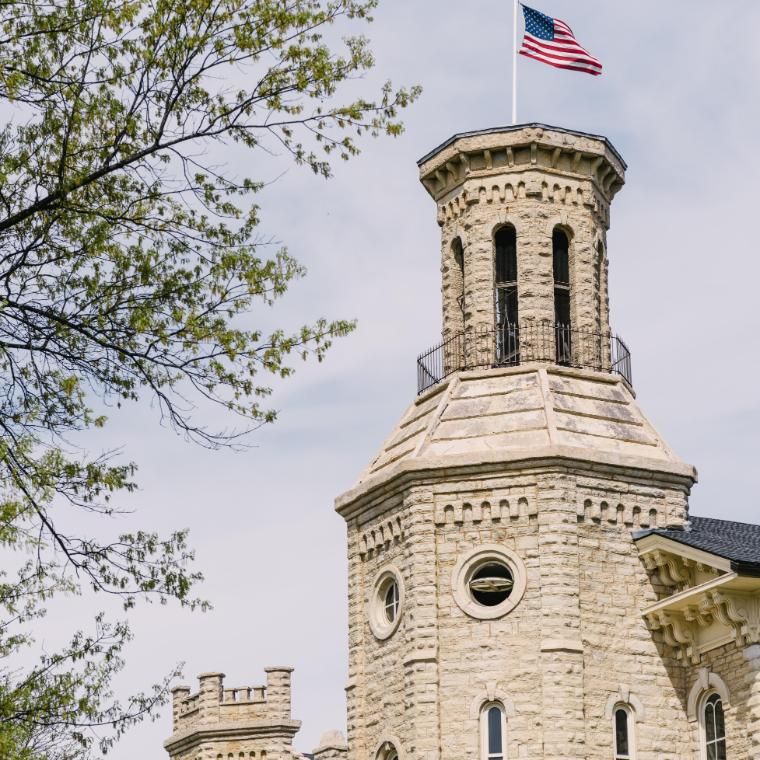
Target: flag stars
{"type": "Point", "coordinates": [552, 41]}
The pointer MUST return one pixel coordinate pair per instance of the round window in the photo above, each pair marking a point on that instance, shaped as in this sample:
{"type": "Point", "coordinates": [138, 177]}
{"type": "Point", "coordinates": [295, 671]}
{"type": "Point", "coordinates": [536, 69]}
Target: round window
{"type": "Point", "coordinates": [385, 603]}
{"type": "Point", "coordinates": [489, 582]}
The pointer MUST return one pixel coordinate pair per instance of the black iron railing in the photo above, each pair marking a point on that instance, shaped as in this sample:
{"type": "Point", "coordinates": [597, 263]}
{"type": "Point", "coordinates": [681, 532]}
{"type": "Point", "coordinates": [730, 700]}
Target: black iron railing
{"type": "Point", "coordinates": [512, 345]}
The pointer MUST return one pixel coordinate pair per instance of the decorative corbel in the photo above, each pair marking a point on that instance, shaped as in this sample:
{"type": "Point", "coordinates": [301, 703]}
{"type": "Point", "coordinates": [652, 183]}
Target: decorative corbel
{"type": "Point", "coordinates": [725, 611]}
{"type": "Point", "coordinates": [676, 633]}
{"type": "Point", "coordinates": [695, 614]}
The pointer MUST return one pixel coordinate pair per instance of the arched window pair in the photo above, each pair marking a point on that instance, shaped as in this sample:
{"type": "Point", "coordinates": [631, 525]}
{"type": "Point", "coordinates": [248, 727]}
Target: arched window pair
{"type": "Point", "coordinates": [713, 731]}
{"type": "Point", "coordinates": [506, 295]}
{"type": "Point", "coordinates": [493, 733]}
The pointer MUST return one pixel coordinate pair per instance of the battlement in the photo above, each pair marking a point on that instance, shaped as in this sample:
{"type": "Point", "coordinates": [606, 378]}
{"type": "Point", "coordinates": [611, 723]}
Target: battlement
{"type": "Point", "coordinates": [216, 712]}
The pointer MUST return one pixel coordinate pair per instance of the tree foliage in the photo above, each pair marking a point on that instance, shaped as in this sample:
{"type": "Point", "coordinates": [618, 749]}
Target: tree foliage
{"type": "Point", "coordinates": [129, 254]}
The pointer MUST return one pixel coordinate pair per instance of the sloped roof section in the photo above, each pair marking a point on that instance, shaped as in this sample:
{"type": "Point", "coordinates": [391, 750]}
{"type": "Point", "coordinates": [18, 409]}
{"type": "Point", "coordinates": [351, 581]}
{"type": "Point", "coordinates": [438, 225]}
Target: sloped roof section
{"type": "Point", "coordinates": [521, 413]}
{"type": "Point", "coordinates": [735, 541]}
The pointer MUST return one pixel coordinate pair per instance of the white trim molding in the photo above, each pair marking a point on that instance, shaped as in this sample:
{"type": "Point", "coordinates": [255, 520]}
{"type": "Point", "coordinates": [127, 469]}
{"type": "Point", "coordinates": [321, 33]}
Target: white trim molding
{"type": "Point", "coordinates": [492, 693]}
{"type": "Point", "coordinates": [386, 747]}
{"type": "Point", "coordinates": [487, 752]}
{"type": "Point", "coordinates": [468, 566]}
{"type": "Point", "coordinates": [381, 627]}
{"type": "Point", "coordinates": [706, 681]}
{"type": "Point", "coordinates": [624, 697]}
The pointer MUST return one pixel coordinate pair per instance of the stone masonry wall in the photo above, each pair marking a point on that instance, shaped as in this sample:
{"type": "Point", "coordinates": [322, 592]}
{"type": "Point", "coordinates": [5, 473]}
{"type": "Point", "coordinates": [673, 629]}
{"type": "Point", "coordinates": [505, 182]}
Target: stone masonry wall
{"type": "Point", "coordinates": [242, 723]}
{"type": "Point", "coordinates": [575, 639]}
{"type": "Point", "coordinates": [620, 656]}
{"type": "Point", "coordinates": [534, 219]}
{"type": "Point", "coordinates": [481, 660]}
{"type": "Point", "coordinates": [375, 692]}
{"type": "Point", "coordinates": [734, 668]}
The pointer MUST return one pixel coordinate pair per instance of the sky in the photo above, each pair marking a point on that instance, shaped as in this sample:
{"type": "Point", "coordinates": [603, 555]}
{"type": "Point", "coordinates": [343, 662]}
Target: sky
{"type": "Point", "coordinates": [680, 100]}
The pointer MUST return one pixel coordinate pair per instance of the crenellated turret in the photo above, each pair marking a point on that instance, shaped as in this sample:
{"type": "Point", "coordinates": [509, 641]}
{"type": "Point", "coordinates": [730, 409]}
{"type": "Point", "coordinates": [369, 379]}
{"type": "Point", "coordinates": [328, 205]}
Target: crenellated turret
{"type": "Point", "coordinates": [251, 722]}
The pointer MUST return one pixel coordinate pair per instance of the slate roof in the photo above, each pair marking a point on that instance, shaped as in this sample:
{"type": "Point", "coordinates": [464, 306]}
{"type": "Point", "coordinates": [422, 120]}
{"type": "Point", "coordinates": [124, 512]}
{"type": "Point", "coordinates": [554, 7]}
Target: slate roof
{"type": "Point", "coordinates": [734, 541]}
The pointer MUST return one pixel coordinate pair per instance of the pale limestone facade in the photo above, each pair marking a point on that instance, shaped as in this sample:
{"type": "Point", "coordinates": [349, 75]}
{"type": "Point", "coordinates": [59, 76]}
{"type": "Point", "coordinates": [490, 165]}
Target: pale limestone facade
{"type": "Point", "coordinates": [534, 179]}
{"type": "Point", "coordinates": [619, 600]}
{"type": "Point", "coordinates": [247, 723]}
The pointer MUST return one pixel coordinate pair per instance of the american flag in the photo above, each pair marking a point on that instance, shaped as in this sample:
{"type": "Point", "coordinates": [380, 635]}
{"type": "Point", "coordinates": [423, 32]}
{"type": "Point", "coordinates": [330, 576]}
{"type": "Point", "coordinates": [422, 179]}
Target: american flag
{"type": "Point", "coordinates": [552, 41]}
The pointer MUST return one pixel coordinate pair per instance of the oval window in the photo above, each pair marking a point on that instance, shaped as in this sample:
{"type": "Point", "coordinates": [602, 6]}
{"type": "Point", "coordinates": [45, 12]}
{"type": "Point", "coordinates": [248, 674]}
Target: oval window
{"type": "Point", "coordinates": [386, 603]}
{"type": "Point", "coordinates": [491, 584]}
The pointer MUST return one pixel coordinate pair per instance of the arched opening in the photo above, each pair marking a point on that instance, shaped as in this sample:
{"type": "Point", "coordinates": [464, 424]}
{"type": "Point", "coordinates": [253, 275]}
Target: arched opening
{"type": "Point", "coordinates": [505, 283]}
{"type": "Point", "coordinates": [598, 287]}
{"type": "Point", "coordinates": [714, 727]}
{"type": "Point", "coordinates": [457, 273]}
{"type": "Point", "coordinates": [493, 732]}
{"type": "Point", "coordinates": [623, 729]}
{"type": "Point", "coordinates": [562, 324]}
{"type": "Point", "coordinates": [387, 751]}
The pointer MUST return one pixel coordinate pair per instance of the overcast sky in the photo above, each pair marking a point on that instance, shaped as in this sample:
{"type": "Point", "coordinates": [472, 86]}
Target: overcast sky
{"type": "Point", "coordinates": [680, 99]}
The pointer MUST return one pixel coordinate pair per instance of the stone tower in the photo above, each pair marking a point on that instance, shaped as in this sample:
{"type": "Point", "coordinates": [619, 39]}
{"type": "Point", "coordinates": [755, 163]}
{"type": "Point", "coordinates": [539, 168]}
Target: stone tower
{"type": "Point", "coordinates": [495, 592]}
{"type": "Point", "coordinates": [247, 723]}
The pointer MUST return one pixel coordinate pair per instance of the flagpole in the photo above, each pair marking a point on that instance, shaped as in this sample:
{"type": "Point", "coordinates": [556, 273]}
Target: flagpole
{"type": "Point", "coordinates": [514, 63]}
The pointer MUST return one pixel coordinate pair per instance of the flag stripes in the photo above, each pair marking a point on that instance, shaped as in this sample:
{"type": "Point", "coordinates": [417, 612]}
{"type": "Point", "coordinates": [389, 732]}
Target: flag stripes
{"type": "Point", "coordinates": [552, 41]}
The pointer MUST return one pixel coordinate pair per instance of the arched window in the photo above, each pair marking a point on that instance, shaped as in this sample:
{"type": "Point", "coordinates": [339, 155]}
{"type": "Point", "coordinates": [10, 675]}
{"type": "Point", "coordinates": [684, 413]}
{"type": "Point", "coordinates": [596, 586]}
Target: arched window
{"type": "Point", "coordinates": [493, 732]}
{"type": "Point", "coordinates": [457, 274]}
{"type": "Point", "coordinates": [714, 725]}
{"type": "Point", "coordinates": [598, 266]}
{"type": "Point", "coordinates": [623, 729]}
{"type": "Point", "coordinates": [505, 281]}
{"type": "Point", "coordinates": [561, 261]}
{"type": "Point", "coordinates": [387, 751]}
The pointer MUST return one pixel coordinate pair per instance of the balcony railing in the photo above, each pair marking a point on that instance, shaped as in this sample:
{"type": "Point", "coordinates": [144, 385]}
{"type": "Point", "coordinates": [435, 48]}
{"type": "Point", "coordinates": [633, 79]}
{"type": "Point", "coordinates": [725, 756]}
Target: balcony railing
{"type": "Point", "coordinates": [512, 345]}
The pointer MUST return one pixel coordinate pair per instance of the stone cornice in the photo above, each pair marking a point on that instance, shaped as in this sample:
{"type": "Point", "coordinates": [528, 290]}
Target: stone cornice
{"type": "Point", "coordinates": [521, 183]}
{"type": "Point", "coordinates": [515, 128]}
{"type": "Point", "coordinates": [411, 472]}
{"type": "Point", "coordinates": [654, 544]}
{"type": "Point", "coordinates": [674, 562]}
{"type": "Point", "coordinates": [230, 730]}
{"type": "Point", "coordinates": [555, 152]}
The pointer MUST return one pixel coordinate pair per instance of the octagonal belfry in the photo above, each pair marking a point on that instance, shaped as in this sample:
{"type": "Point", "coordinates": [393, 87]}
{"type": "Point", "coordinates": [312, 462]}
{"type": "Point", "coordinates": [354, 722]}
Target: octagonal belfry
{"type": "Point", "coordinates": [491, 534]}
{"type": "Point", "coordinates": [532, 181]}
{"type": "Point", "coordinates": [524, 213]}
